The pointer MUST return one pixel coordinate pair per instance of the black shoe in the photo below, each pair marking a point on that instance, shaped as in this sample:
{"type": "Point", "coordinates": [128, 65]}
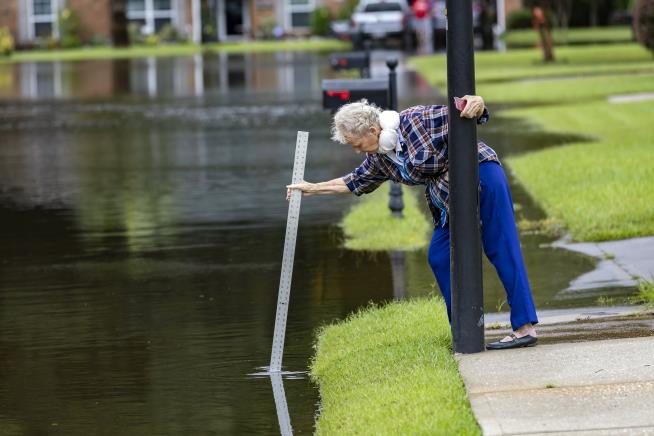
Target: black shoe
{"type": "Point", "coordinates": [515, 342]}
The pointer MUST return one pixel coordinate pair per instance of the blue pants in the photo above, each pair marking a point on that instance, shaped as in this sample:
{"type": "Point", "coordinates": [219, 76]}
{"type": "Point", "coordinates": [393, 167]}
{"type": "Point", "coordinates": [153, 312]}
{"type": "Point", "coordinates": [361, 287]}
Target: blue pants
{"type": "Point", "coordinates": [501, 245]}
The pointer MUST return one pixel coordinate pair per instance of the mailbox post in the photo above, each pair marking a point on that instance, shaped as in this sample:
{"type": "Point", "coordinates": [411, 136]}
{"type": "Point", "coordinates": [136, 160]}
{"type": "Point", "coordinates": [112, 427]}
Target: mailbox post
{"type": "Point", "coordinates": [465, 241]}
{"type": "Point", "coordinates": [396, 202]}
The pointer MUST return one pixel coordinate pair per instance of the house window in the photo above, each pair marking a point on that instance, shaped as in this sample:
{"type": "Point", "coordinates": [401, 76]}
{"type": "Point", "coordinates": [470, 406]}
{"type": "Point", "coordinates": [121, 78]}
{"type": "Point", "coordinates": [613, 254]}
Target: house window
{"type": "Point", "coordinates": [42, 18]}
{"type": "Point", "coordinates": [151, 15]}
{"type": "Point", "coordinates": [300, 13]}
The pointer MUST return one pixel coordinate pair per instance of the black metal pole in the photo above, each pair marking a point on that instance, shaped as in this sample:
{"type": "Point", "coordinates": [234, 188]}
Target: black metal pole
{"type": "Point", "coordinates": [365, 70]}
{"type": "Point", "coordinates": [465, 243]}
{"type": "Point", "coordinates": [396, 202]}
{"type": "Point", "coordinates": [391, 63]}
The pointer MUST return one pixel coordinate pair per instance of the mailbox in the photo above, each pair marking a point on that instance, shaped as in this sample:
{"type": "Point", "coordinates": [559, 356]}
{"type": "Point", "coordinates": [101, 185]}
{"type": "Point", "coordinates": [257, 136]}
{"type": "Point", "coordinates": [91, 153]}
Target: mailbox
{"type": "Point", "coordinates": [351, 60]}
{"type": "Point", "coordinates": [336, 93]}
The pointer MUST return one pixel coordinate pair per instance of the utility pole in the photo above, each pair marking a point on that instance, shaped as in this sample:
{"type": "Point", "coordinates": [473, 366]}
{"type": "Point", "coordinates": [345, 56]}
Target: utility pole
{"type": "Point", "coordinates": [465, 241]}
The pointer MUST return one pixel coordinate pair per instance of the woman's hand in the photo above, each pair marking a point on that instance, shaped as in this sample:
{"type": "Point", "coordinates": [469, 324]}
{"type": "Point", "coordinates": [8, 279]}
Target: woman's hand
{"type": "Point", "coordinates": [474, 106]}
{"type": "Point", "coordinates": [306, 188]}
{"type": "Point", "coordinates": [335, 186]}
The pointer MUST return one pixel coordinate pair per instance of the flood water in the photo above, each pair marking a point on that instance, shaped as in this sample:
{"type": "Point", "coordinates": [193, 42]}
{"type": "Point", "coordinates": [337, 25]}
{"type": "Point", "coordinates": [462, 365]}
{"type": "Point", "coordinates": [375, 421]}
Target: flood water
{"type": "Point", "coordinates": [143, 208]}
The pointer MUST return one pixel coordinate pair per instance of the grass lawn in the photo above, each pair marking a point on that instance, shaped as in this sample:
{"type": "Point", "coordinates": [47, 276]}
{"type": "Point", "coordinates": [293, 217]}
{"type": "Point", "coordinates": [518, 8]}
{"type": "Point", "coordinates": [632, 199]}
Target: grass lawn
{"type": "Point", "coordinates": [587, 35]}
{"type": "Point", "coordinates": [390, 371]}
{"type": "Point", "coordinates": [174, 50]}
{"type": "Point", "coordinates": [569, 90]}
{"type": "Point", "coordinates": [528, 64]}
{"type": "Point", "coordinates": [601, 190]}
{"type": "Point", "coordinates": [370, 226]}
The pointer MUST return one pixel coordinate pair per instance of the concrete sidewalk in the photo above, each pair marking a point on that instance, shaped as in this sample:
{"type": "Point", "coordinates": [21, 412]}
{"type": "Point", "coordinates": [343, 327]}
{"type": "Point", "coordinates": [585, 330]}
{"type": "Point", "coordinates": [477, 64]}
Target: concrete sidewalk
{"type": "Point", "coordinates": [585, 388]}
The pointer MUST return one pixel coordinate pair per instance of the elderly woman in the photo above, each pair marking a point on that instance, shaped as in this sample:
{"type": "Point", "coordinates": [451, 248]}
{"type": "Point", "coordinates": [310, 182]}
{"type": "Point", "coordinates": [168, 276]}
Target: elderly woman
{"type": "Point", "coordinates": [411, 148]}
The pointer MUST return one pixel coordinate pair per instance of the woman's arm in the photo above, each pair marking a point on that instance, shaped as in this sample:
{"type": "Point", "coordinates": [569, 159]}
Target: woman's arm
{"type": "Point", "coordinates": [334, 186]}
{"type": "Point", "coordinates": [364, 179]}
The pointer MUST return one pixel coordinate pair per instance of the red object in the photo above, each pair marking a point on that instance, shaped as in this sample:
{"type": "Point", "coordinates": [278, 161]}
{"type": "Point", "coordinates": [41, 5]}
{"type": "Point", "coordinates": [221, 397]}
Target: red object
{"type": "Point", "coordinates": [460, 103]}
{"type": "Point", "coordinates": [343, 95]}
{"type": "Point", "coordinates": [342, 62]}
{"type": "Point", "coordinates": [420, 9]}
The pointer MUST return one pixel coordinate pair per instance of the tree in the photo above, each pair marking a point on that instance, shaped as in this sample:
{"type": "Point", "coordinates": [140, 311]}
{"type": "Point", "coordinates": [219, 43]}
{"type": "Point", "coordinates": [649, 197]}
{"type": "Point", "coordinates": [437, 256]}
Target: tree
{"type": "Point", "coordinates": [644, 23]}
{"type": "Point", "coordinates": [543, 26]}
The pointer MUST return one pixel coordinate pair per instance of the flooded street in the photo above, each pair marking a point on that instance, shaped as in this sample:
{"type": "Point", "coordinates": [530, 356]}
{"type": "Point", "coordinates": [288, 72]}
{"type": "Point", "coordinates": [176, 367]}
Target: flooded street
{"type": "Point", "coordinates": [143, 208]}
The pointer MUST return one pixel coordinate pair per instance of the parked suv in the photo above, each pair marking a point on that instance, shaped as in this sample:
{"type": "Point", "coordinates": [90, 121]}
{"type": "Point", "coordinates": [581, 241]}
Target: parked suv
{"type": "Point", "coordinates": [381, 20]}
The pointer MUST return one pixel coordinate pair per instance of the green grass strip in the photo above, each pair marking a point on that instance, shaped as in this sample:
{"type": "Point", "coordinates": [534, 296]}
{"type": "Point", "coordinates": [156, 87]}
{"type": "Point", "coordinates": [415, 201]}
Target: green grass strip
{"type": "Point", "coordinates": [370, 226]}
{"type": "Point", "coordinates": [390, 371]}
{"type": "Point", "coordinates": [91, 53]}
{"type": "Point", "coordinates": [579, 62]}
{"type": "Point", "coordinates": [559, 91]}
{"type": "Point", "coordinates": [587, 35]}
{"type": "Point", "coordinates": [602, 190]}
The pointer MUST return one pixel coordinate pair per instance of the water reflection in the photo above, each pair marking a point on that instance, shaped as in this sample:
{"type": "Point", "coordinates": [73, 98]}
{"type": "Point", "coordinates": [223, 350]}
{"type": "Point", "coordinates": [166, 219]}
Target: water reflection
{"type": "Point", "coordinates": [281, 405]}
{"type": "Point", "coordinates": [198, 75]}
{"type": "Point", "coordinates": [398, 269]}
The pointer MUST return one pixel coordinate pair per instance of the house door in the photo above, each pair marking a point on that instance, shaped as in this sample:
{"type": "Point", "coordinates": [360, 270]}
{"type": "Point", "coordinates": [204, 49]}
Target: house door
{"type": "Point", "coordinates": [234, 17]}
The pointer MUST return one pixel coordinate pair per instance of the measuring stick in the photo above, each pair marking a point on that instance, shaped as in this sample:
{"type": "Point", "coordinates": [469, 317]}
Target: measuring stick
{"type": "Point", "coordinates": [289, 253]}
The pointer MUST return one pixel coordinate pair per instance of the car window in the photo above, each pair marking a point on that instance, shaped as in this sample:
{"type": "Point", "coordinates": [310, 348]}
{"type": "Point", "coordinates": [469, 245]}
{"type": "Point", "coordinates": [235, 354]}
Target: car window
{"type": "Point", "coordinates": [383, 7]}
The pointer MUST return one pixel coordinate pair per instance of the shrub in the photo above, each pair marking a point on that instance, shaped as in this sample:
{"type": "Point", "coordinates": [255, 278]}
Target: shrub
{"type": "Point", "coordinates": [266, 27]}
{"type": "Point", "coordinates": [320, 20]}
{"type": "Point", "coordinates": [69, 29]}
{"type": "Point", "coordinates": [644, 23]}
{"type": "Point", "coordinates": [99, 41]}
{"type": "Point", "coordinates": [519, 19]}
{"type": "Point", "coordinates": [134, 32]}
{"type": "Point", "coordinates": [152, 39]}
{"type": "Point", "coordinates": [48, 43]}
{"type": "Point", "coordinates": [168, 33]}
{"type": "Point", "coordinates": [6, 42]}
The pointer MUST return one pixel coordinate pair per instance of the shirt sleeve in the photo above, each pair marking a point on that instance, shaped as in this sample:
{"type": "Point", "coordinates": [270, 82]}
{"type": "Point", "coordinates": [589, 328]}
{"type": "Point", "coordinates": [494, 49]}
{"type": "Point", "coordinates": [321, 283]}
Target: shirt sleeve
{"type": "Point", "coordinates": [366, 178]}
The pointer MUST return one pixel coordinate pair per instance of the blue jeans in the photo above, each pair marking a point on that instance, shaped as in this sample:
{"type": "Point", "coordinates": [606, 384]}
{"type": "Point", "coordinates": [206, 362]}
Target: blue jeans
{"type": "Point", "coordinates": [501, 245]}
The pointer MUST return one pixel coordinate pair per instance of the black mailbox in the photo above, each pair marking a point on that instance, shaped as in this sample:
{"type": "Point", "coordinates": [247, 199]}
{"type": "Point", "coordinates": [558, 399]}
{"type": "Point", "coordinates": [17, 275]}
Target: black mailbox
{"type": "Point", "coordinates": [351, 60]}
{"type": "Point", "coordinates": [336, 93]}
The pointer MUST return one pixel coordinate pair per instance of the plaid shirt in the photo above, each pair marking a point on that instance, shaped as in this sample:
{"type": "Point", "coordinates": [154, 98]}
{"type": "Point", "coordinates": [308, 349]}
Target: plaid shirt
{"type": "Point", "coordinates": [423, 139]}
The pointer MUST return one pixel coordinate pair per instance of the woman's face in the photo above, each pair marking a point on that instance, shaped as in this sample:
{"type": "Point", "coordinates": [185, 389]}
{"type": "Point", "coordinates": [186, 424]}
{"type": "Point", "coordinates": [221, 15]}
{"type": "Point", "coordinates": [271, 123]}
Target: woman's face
{"type": "Point", "coordinates": [368, 143]}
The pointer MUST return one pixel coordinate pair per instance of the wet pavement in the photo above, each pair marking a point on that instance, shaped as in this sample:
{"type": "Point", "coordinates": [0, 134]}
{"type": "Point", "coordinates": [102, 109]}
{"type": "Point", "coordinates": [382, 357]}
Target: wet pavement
{"type": "Point", "coordinates": [583, 324]}
{"type": "Point", "coordinates": [624, 262]}
{"type": "Point", "coordinates": [600, 387]}
{"type": "Point", "coordinates": [144, 216]}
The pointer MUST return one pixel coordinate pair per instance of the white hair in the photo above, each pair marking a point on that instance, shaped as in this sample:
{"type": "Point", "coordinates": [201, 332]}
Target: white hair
{"type": "Point", "coordinates": [354, 119]}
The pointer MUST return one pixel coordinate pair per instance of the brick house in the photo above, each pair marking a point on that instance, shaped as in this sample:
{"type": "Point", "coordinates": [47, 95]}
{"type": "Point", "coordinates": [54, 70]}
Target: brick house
{"type": "Point", "coordinates": [29, 20]}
